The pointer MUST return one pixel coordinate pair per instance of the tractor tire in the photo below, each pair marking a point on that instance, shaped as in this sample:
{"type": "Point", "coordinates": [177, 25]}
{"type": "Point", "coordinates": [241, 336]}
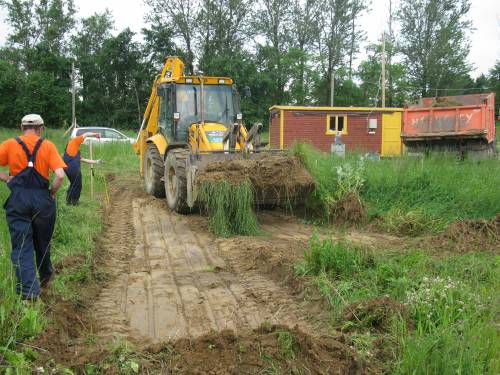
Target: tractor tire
{"type": "Point", "coordinates": [153, 172]}
{"type": "Point", "coordinates": [176, 180]}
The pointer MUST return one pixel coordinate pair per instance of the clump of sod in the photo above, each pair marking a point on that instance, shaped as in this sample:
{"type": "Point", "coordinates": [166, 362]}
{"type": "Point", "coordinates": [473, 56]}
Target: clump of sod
{"type": "Point", "coordinates": [229, 207]}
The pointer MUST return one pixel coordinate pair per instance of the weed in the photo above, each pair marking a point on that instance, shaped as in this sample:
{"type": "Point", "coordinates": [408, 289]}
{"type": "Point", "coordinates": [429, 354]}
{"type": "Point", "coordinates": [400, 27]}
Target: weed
{"type": "Point", "coordinates": [411, 196]}
{"type": "Point", "coordinates": [77, 227]}
{"type": "Point", "coordinates": [288, 344]}
{"type": "Point", "coordinates": [229, 208]}
{"type": "Point", "coordinates": [434, 316]}
{"type": "Point", "coordinates": [336, 259]}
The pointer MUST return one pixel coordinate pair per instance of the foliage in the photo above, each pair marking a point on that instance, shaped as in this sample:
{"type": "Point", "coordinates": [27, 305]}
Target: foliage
{"type": "Point", "coordinates": [285, 51]}
{"type": "Point", "coordinates": [434, 43]}
{"type": "Point", "coordinates": [411, 195]}
{"type": "Point", "coordinates": [229, 208]}
{"type": "Point", "coordinates": [77, 229]}
{"type": "Point", "coordinates": [451, 305]}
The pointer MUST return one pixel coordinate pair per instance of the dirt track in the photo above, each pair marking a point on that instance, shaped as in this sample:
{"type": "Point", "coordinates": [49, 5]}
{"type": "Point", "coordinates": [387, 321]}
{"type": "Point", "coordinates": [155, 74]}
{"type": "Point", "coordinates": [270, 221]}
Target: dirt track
{"type": "Point", "coordinates": [174, 280]}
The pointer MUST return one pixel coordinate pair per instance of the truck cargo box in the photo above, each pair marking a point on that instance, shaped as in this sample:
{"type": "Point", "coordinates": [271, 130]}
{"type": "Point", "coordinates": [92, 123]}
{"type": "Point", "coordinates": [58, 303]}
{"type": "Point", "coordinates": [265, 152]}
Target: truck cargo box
{"type": "Point", "coordinates": [464, 123]}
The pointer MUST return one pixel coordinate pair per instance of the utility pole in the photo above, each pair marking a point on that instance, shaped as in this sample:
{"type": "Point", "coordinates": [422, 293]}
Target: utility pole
{"type": "Point", "coordinates": [73, 94]}
{"type": "Point", "coordinates": [332, 88]}
{"type": "Point", "coordinates": [383, 69]}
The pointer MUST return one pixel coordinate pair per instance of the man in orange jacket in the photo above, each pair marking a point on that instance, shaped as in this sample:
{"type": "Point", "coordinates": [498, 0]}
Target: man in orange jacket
{"type": "Point", "coordinates": [73, 160]}
{"type": "Point", "coordinates": [31, 208]}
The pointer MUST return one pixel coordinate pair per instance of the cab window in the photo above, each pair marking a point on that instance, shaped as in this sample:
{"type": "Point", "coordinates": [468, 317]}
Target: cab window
{"type": "Point", "coordinates": [165, 115]}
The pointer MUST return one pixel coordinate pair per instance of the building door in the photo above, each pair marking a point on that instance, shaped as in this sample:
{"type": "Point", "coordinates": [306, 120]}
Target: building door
{"type": "Point", "coordinates": [391, 134]}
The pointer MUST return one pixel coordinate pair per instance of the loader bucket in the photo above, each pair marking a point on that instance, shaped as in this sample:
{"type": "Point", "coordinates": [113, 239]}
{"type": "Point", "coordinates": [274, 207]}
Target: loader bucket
{"type": "Point", "coordinates": [277, 179]}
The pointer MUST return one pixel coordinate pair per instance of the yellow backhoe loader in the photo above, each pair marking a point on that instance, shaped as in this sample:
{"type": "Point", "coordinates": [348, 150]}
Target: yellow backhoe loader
{"type": "Point", "coordinates": [189, 123]}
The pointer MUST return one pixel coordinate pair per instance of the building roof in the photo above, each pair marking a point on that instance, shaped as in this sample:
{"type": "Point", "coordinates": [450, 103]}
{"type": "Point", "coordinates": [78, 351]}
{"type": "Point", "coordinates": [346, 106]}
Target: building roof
{"type": "Point", "coordinates": [360, 109]}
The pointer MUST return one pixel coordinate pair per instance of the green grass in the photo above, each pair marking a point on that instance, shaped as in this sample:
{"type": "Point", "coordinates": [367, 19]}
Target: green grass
{"type": "Point", "coordinates": [410, 195]}
{"type": "Point", "coordinates": [229, 208]}
{"type": "Point", "coordinates": [452, 304]}
{"type": "Point", "coordinates": [77, 228]}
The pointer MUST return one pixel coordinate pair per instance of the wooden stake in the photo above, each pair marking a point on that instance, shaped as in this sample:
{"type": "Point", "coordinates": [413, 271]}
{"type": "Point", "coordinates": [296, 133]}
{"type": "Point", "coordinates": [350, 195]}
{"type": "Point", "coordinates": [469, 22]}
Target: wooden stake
{"type": "Point", "coordinates": [91, 171]}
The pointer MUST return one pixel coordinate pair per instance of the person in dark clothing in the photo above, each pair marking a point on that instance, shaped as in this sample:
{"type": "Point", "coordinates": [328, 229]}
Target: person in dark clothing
{"type": "Point", "coordinates": [73, 159]}
{"type": "Point", "coordinates": [31, 207]}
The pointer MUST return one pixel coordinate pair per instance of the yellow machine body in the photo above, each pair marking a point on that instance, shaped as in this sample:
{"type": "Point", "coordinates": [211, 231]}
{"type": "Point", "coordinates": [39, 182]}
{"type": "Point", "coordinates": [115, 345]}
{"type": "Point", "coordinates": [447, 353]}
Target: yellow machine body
{"type": "Point", "coordinates": [189, 118]}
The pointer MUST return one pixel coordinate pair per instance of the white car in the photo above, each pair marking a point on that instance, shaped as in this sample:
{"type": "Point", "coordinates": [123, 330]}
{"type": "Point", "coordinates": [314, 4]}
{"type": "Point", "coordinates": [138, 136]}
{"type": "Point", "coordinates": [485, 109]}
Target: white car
{"type": "Point", "coordinates": [107, 135]}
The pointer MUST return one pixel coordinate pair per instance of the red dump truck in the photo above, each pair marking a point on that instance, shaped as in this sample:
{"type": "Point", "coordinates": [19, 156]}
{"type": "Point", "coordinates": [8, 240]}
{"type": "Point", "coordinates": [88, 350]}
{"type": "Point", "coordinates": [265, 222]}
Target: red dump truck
{"type": "Point", "coordinates": [465, 124]}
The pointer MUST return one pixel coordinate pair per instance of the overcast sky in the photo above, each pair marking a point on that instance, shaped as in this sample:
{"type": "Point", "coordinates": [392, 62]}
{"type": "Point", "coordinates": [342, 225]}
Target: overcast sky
{"type": "Point", "coordinates": [485, 15]}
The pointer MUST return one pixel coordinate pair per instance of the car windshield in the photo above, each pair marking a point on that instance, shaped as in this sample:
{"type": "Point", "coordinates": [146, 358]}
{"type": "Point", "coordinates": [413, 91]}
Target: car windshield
{"type": "Point", "coordinates": [218, 103]}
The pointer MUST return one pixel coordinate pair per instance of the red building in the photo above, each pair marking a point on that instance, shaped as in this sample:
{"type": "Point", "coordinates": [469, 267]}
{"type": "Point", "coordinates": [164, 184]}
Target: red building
{"type": "Point", "coordinates": [363, 129]}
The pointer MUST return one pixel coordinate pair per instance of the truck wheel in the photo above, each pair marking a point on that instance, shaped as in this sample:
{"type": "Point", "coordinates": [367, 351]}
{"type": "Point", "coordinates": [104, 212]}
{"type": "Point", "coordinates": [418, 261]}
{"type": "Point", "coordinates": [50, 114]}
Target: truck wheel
{"type": "Point", "coordinates": [153, 172]}
{"type": "Point", "coordinates": [175, 180]}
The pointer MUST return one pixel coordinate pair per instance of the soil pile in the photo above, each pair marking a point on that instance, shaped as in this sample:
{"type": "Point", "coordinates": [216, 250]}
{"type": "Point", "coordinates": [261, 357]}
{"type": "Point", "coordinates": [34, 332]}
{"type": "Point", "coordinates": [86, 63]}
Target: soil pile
{"type": "Point", "coordinates": [349, 209]}
{"type": "Point", "coordinates": [268, 349]}
{"type": "Point", "coordinates": [375, 314]}
{"type": "Point", "coordinates": [471, 235]}
{"type": "Point", "coordinates": [446, 102]}
{"type": "Point", "coordinates": [276, 179]}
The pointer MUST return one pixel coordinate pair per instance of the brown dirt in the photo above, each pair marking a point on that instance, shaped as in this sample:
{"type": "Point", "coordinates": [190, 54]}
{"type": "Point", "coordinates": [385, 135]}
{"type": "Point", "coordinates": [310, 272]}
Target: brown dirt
{"type": "Point", "coordinates": [277, 179]}
{"type": "Point", "coordinates": [260, 352]}
{"type": "Point", "coordinates": [446, 102]}
{"type": "Point", "coordinates": [171, 284]}
{"type": "Point", "coordinates": [469, 235]}
{"type": "Point", "coordinates": [374, 314]}
{"type": "Point", "coordinates": [349, 209]}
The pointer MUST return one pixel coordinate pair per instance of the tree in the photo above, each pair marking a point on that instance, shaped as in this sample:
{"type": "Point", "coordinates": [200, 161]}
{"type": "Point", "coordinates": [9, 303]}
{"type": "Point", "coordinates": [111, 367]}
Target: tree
{"type": "Point", "coordinates": [369, 72]}
{"type": "Point", "coordinates": [114, 77]}
{"type": "Point", "coordinates": [182, 16]}
{"type": "Point", "coordinates": [434, 43]}
{"type": "Point", "coordinates": [304, 28]}
{"type": "Point", "coordinates": [273, 25]}
{"type": "Point", "coordinates": [337, 41]}
{"type": "Point", "coordinates": [35, 22]}
{"type": "Point", "coordinates": [494, 83]}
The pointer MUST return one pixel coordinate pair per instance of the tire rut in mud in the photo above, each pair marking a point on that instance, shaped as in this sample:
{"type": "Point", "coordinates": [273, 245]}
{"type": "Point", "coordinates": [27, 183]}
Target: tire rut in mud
{"type": "Point", "coordinates": [171, 280]}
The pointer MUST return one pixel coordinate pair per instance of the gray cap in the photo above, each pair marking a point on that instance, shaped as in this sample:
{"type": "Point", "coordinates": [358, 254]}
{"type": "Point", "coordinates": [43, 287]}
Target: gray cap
{"type": "Point", "coordinates": [32, 119]}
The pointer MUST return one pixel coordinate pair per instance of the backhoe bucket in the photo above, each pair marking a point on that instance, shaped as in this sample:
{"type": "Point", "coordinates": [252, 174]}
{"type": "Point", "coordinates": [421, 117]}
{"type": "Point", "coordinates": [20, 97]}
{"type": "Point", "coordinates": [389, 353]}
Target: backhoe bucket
{"type": "Point", "coordinates": [277, 179]}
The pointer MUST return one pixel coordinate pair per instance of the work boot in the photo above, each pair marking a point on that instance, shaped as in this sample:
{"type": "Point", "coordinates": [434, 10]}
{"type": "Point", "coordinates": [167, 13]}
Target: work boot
{"type": "Point", "coordinates": [45, 283]}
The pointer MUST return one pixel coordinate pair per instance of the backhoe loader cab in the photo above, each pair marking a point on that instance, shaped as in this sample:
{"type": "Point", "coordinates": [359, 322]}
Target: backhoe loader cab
{"type": "Point", "coordinates": [189, 121]}
{"type": "Point", "coordinates": [181, 106]}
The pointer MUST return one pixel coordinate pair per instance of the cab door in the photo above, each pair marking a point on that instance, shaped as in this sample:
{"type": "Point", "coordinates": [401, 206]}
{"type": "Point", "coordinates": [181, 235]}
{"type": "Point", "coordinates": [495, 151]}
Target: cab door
{"type": "Point", "coordinates": [165, 116]}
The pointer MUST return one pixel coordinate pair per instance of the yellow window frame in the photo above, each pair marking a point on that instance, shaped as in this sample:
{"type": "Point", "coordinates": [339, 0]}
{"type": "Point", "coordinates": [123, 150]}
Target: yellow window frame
{"type": "Point", "coordinates": [336, 119]}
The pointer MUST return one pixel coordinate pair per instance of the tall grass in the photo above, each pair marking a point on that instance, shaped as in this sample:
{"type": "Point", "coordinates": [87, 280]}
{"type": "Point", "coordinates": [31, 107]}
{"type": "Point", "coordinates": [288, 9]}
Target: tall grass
{"type": "Point", "coordinates": [77, 228]}
{"type": "Point", "coordinates": [452, 304]}
{"type": "Point", "coordinates": [412, 195]}
{"type": "Point", "coordinates": [229, 208]}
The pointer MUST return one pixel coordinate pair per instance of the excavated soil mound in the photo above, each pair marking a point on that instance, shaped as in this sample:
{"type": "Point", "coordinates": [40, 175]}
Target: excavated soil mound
{"type": "Point", "coordinates": [471, 235]}
{"type": "Point", "coordinates": [349, 209]}
{"type": "Point", "coordinates": [276, 179]}
{"type": "Point", "coordinates": [375, 314]}
{"type": "Point", "coordinates": [446, 102]}
{"type": "Point", "coordinates": [265, 350]}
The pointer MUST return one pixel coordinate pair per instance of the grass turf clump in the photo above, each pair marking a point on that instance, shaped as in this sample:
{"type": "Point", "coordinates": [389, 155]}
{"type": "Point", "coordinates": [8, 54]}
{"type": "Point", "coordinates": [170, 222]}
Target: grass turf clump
{"type": "Point", "coordinates": [229, 208]}
{"type": "Point", "coordinates": [427, 315]}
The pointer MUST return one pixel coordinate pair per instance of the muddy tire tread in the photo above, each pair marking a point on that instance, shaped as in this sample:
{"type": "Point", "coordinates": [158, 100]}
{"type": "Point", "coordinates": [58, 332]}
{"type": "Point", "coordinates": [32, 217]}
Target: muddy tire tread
{"type": "Point", "coordinates": [158, 187]}
{"type": "Point", "coordinates": [181, 156]}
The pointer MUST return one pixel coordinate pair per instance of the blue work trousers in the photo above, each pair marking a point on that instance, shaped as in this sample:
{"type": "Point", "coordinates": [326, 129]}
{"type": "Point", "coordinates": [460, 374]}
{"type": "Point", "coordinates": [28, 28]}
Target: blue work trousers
{"type": "Point", "coordinates": [31, 217]}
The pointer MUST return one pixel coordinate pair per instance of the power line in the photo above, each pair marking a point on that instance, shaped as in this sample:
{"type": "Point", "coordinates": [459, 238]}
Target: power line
{"type": "Point", "coordinates": [433, 89]}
